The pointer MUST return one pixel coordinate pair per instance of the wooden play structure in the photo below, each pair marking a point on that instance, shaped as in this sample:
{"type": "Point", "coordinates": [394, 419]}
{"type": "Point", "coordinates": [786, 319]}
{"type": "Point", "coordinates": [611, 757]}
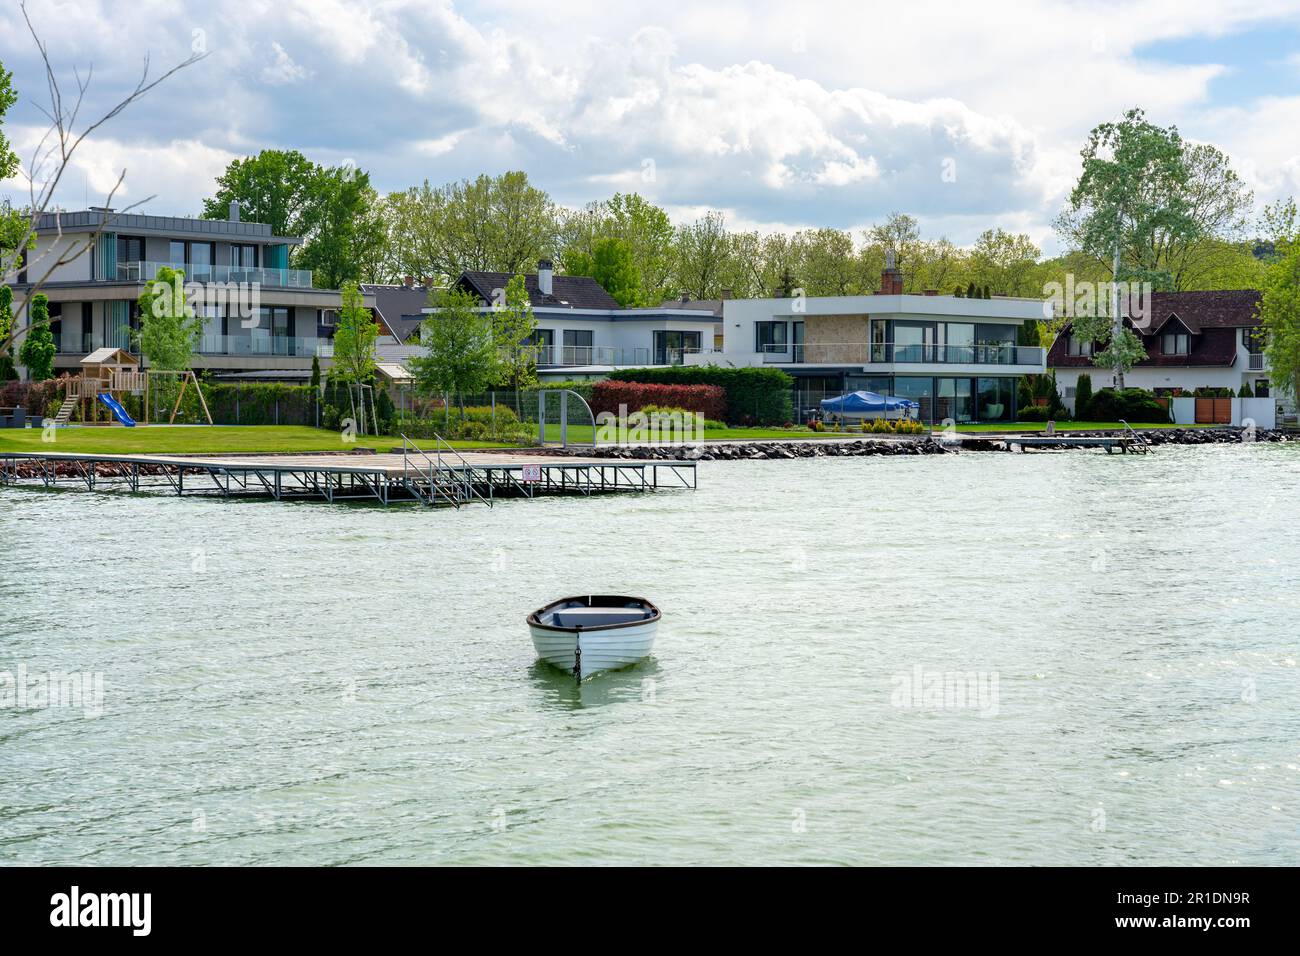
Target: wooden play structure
{"type": "Point", "coordinates": [117, 373]}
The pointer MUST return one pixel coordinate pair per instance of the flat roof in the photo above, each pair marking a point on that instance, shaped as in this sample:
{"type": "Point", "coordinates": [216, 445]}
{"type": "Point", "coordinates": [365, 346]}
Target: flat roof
{"type": "Point", "coordinates": [89, 220]}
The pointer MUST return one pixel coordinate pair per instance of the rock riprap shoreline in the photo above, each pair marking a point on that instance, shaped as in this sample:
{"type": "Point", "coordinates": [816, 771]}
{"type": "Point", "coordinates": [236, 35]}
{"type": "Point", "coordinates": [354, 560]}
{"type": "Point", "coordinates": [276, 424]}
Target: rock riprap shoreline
{"type": "Point", "coordinates": [919, 445]}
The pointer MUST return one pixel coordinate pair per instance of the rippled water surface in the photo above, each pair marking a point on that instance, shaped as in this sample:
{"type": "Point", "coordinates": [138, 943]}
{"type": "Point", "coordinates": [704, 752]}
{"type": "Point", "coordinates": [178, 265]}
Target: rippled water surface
{"type": "Point", "coordinates": [306, 683]}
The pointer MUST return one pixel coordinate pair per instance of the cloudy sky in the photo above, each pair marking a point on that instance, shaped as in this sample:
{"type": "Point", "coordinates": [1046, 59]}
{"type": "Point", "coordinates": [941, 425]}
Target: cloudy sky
{"type": "Point", "coordinates": [782, 115]}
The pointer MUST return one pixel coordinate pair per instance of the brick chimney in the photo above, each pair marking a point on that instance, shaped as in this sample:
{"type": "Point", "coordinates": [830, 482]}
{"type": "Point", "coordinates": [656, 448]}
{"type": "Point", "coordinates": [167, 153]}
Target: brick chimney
{"type": "Point", "coordinates": [726, 294]}
{"type": "Point", "coordinates": [891, 279]}
{"type": "Point", "coordinates": [408, 281]}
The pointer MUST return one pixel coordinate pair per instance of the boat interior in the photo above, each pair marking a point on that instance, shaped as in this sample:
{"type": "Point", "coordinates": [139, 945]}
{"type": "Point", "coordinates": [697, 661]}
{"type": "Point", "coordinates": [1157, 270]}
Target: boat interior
{"type": "Point", "coordinates": [595, 611]}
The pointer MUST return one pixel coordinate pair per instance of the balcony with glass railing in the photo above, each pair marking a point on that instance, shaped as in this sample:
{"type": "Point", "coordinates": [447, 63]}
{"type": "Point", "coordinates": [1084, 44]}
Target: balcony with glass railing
{"type": "Point", "coordinates": [862, 353]}
{"type": "Point", "coordinates": [299, 345]}
{"type": "Point", "coordinates": [280, 278]}
{"type": "Point", "coordinates": [553, 355]}
{"type": "Point", "coordinates": [75, 343]}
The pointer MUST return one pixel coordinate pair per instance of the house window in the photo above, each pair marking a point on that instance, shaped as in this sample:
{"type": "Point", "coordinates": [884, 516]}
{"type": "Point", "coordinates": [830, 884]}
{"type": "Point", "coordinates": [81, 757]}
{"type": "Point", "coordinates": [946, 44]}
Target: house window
{"type": "Point", "coordinates": [196, 258]}
{"type": "Point", "coordinates": [1253, 340]}
{"type": "Point", "coordinates": [671, 346]}
{"type": "Point", "coordinates": [1175, 343]}
{"type": "Point", "coordinates": [243, 257]}
{"type": "Point", "coordinates": [130, 249]}
{"type": "Point", "coordinates": [1076, 346]}
{"type": "Point", "coordinates": [770, 336]}
{"type": "Point", "coordinates": [542, 342]}
{"type": "Point", "coordinates": [577, 346]}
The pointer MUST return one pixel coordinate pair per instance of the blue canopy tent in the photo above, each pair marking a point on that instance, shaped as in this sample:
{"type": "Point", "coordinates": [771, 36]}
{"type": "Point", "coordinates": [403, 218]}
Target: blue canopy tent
{"type": "Point", "coordinates": [867, 403]}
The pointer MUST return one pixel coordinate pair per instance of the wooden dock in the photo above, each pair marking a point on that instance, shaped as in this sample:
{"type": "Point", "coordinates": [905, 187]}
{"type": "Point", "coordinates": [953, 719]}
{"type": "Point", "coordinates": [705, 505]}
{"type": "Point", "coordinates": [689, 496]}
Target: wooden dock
{"type": "Point", "coordinates": [1125, 444]}
{"type": "Point", "coordinates": [429, 478]}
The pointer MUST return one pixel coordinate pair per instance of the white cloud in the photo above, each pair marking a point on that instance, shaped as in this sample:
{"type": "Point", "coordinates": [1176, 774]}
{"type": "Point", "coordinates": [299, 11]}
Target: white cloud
{"type": "Point", "coordinates": [282, 69]}
{"type": "Point", "coordinates": [828, 113]}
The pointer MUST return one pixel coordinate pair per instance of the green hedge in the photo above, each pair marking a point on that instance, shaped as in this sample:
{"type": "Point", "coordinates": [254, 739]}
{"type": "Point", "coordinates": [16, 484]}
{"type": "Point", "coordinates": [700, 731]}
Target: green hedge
{"type": "Point", "coordinates": [755, 396]}
{"type": "Point", "coordinates": [1134, 405]}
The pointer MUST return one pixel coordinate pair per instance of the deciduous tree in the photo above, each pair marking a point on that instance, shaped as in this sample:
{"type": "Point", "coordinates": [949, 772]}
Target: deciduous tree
{"type": "Point", "coordinates": [461, 356]}
{"type": "Point", "coordinates": [169, 326]}
{"type": "Point", "coordinates": [37, 352]}
{"type": "Point", "coordinates": [1279, 313]}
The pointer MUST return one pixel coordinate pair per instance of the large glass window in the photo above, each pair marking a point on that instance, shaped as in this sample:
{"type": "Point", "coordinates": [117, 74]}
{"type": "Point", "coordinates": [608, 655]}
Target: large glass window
{"type": "Point", "coordinates": [914, 341]}
{"type": "Point", "coordinates": [879, 340]}
{"type": "Point", "coordinates": [995, 344]}
{"type": "Point", "coordinates": [200, 261]}
{"type": "Point", "coordinates": [955, 400]}
{"type": "Point", "coordinates": [920, 390]}
{"type": "Point", "coordinates": [995, 399]}
{"type": "Point", "coordinates": [577, 346]}
{"type": "Point", "coordinates": [130, 249]}
{"type": "Point", "coordinates": [670, 346]}
{"type": "Point", "coordinates": [959, 342]}
{"type": "Point", "coordinates": [770, 336]}
{"type": "Point", "coordinates": [176, 253]}
{"type": "Point", "coordinates": [543, 340]}
{"type": "Point", "coordinates": [243, 257]}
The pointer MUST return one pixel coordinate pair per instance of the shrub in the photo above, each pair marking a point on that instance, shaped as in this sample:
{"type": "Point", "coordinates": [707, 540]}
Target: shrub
{"type": "Point", "coordinates": [1083, 396]}
{"type": "Point", "coordinates": [582, 388]}
{"type": "Point", "coordinates": [1246, 391]}
{"type": "Point", "coordinates": [1130, 404]}
{"type": "Point", "coordinates": [754, 396]}
{"type": "Point", "coordinates": [38, 399]}
{"type": "Point", "coordinates": [1034, 413]}
{"type": "Point", "coordinates": [38, 348]}
{"type": "Point", "coordinates": [242, 403]}
{"type": "Point", "coordinates": [709, 400]}
{"type": "Point", "coordinates": [385, 411]}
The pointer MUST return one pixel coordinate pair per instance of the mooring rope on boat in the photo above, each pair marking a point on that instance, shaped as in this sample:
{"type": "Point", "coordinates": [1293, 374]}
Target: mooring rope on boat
{"type": "Point", "coordinates": [577, 651]}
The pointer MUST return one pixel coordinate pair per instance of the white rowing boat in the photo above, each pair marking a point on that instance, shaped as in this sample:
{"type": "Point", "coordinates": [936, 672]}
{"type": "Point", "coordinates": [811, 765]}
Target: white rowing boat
{"type": "Point", "coordinates": [597, 632]}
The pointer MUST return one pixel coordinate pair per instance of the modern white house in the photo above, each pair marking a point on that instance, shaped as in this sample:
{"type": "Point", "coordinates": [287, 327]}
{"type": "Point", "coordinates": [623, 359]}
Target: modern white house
{"type": "Point", "coordinates": [260, 316]}
{"type": "Point", "coordinates": [1193, 340]}
{"type": "Point", "coordinates": [957, 358]}
{"type": "Point", "coordinates": [582, 332]}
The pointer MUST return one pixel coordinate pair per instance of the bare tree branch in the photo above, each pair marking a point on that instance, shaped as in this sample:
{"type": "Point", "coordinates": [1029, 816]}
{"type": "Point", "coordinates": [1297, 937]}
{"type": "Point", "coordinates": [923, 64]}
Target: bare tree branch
{"type": "Point", "coordinates": [50, 161]}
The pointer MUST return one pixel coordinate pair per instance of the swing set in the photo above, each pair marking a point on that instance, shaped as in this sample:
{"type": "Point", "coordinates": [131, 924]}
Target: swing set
{"type": "Point", "coordinates": [116, 373]}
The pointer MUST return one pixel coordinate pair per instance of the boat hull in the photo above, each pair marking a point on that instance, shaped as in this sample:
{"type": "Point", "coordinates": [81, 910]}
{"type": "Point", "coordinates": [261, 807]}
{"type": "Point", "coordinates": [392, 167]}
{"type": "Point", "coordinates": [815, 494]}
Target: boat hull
{"type": "Point", "coordinates": [601, 649]}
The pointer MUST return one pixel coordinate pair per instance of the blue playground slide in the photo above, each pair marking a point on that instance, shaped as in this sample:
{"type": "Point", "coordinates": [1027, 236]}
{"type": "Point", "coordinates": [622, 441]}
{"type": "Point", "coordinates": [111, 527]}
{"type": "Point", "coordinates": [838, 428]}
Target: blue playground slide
{"type": "Point", "coordinates": [116, 408]}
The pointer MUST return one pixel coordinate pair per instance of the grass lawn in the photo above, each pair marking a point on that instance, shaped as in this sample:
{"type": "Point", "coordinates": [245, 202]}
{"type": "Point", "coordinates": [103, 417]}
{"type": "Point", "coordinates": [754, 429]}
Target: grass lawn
{"type": "Point", "coordinates": [225, 439]}
{"type": "Point", "coordinates": [199, 440]}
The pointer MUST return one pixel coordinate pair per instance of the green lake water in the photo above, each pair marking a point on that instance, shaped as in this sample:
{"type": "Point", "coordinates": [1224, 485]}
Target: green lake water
{"type": "Point", "coordinates": [315, 684]}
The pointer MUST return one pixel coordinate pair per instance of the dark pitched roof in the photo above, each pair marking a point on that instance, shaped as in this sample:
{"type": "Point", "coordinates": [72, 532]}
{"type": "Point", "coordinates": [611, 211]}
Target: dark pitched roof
{"type": "Point", "coordinates": [572, 292]}
{"type": "Point", "coordinates": [1230, 308]}
{"type": "Point", "coordinates": [399, 307]}
{"type": "Point", "coordinates": [1212, 318]}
